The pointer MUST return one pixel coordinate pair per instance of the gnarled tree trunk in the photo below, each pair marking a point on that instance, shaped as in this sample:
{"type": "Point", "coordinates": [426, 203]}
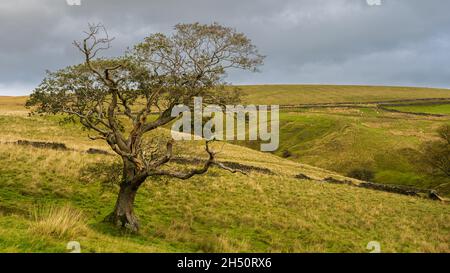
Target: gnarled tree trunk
{"type": "Point", "coordinates": [123, 214]}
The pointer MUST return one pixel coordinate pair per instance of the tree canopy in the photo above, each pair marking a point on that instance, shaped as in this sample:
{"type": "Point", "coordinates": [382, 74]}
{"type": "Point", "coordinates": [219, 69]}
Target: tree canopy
{"type": "Point", "coordinates": [115, 97]}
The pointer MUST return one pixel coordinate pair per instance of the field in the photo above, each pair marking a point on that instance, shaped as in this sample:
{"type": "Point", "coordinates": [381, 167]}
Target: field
{"type": "Point", "coordinates": [50, 197]}
{"type": "Point", "coordinates": [317, 94]}
{"type": "Point", "coordinates": [362, 135]}
{"type": "Point", "coordinates": [436, 109]}
{"type": "Point", "coordinates": [13, 106]}
{"type": "Point", "coordinates": [343, 140]}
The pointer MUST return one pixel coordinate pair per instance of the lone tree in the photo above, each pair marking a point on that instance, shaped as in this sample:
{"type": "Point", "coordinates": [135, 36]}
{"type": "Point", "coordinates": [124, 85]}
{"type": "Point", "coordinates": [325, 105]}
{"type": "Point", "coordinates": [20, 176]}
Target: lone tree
{"type": "Point", "coordinates": [114, 97]}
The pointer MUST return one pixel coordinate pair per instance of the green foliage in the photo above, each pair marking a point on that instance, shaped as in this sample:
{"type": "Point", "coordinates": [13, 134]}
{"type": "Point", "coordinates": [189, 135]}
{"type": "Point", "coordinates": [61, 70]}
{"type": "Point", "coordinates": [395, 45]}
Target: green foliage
{"type": "Point", "coordinates": [115, 97]}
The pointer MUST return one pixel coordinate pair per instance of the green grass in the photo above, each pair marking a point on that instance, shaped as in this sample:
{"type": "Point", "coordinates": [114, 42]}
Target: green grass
{"type": "Point", "coordinates": [383, 143]}
{"type": "Point", "coordinates": [306, 94]}
{"type": "Point", "coordinates": [440, 109]}
{"type": "Point", "coordinates": [223, 212]}
{"type": "Point", "coordinates": [388, 144]}
{"type": "Point", "coordinates": [216, 212]}
{"type": "Point", "coordinates": [343, 139]}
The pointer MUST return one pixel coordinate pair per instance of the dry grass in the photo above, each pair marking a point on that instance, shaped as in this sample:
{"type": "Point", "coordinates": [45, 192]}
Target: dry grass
{"type": "Point", "coordinates": [59, 222]}
{"type": "Point", "coordinates": [304, 94]}
{"type": "Point", "coordinates": [218, 211]}
{"type": "Point", "coordinates": [13, 106]}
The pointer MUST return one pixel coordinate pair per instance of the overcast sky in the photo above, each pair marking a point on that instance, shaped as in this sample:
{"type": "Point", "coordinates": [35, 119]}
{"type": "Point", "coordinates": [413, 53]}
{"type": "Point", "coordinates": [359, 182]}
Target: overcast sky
{"type": "Point", "coordinates": [400, 42]}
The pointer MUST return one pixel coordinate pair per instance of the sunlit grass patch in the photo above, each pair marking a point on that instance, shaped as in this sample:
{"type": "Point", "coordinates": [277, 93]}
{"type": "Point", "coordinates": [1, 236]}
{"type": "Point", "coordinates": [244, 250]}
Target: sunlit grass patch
{"type": "Point", "coordinates": [439, 109]}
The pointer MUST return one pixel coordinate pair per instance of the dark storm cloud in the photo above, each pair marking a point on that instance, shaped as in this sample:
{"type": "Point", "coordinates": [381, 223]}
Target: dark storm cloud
{"type": "Point", "coordinates": [401, 42]}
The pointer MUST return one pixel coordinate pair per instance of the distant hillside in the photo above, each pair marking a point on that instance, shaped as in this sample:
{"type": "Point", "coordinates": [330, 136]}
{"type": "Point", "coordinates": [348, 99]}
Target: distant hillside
{"type": "Point", "coordinates": [306, 94]}
{"type": "Point", "coordinates": [351, 128]}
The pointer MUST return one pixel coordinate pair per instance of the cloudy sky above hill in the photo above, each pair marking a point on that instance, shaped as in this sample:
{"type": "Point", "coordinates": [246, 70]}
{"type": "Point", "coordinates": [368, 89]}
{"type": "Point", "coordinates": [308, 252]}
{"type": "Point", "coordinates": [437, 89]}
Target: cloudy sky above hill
{"type": "Point", "coordinates": [400, 42]}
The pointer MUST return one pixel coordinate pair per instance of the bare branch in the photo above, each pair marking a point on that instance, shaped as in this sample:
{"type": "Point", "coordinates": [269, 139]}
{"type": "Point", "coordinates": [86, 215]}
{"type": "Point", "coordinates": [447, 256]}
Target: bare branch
{"type": "Point", "coordinates": [222, 166]}
{"type": "Point", "coordinates": [166, 158]}
{"type": "Point", "coordinates": [96, 137]}
{"type": "Point", "coordinates": [191, 173]}
{"type": "Point", "coordinates": [186, 175]}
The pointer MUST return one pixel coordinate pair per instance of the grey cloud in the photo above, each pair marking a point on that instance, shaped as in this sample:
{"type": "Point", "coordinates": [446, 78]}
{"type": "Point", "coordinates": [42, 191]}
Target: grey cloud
{"type": "Point", "coordinates": [402, 42]}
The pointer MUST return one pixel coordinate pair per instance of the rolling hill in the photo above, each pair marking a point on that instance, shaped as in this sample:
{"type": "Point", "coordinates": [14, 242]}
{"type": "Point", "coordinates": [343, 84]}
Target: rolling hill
{"type": "Point", "coordinates": [347, 128]}
{"type": "Point", "coordinates": [319, 94]}
{"type": "Point", "coordinates": [49, 197]}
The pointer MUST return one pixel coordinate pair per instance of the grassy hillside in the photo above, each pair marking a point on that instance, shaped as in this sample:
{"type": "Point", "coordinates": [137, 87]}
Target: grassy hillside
{"type": "Point", "coordinates": [12, 105]}
{"type": "Point", "coordinates": [359, 136]}
{"type": "Point", "coordinates": [50, 197]}
{"type": "Point", "coordinates": [439, 109]}
{"type": "Point", "coordinates": [343, 140]}
{"type": "Point", "coordinates": [308, 94]}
